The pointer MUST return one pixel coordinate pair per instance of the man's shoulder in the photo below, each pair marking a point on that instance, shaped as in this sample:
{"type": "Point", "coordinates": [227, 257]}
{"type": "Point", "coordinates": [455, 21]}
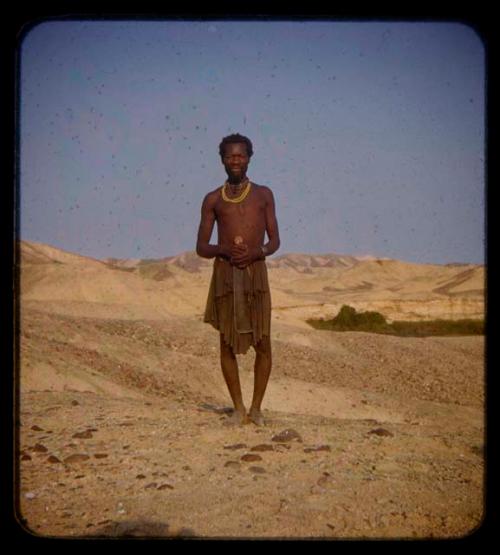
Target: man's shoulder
{"type": "Point", "coordinates": [263, 189]}
{"type": "Point", "coordinates": [213, 195]}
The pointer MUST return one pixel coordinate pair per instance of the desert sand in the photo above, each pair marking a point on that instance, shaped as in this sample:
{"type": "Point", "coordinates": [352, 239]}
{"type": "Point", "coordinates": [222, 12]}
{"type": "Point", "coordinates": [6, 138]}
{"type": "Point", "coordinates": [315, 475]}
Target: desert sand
{"type": "Point", "coordinates": [123, 409]}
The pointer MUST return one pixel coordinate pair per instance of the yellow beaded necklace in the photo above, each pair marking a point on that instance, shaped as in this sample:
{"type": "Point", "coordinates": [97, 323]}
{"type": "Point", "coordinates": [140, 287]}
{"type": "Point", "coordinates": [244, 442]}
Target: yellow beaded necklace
{"type": "Point", "coordinates": [242, 196]}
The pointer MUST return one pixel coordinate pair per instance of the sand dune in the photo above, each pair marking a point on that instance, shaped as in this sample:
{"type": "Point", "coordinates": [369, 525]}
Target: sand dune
{"type": "Point", "coordinates": [40, 253]}
{"type": "Point", "coordinates": [49, 277]}
{"type": "Point", "coordinates": [123, 406]}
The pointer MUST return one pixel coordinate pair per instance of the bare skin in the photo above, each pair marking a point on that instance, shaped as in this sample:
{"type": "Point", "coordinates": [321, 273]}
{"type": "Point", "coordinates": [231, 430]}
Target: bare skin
{"type": "Point", "coordinates": [249, 221]}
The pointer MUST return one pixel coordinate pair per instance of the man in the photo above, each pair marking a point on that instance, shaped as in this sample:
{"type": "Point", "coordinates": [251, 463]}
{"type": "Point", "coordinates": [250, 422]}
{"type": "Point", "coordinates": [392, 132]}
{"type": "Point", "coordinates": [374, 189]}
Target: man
{"type": "Point", "coordinates": [239, 302]}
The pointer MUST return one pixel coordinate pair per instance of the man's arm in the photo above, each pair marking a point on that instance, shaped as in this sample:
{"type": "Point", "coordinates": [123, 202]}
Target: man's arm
{"type": "Point", "coordinates": [271, 224]}
{"type": "Point", "coordinates": [203, 247]}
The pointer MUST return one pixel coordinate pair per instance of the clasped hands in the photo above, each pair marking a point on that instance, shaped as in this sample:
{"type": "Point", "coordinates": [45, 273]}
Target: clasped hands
{"type": "Point", "coordinates": [241, 255]}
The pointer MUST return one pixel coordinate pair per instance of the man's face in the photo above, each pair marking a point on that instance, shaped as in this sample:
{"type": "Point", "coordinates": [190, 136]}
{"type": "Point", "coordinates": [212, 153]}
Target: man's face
{"type": "Point", "coordinates": [236, 161]}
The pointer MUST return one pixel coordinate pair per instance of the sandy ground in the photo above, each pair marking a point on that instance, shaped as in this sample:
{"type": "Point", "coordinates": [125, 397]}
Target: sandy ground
{"type": "Point", "coordinates": [123, 428]}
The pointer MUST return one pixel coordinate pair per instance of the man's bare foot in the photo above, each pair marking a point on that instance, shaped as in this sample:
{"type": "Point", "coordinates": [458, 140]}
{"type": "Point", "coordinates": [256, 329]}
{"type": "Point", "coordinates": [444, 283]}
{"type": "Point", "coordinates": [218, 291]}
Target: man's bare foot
{"type": "Point", "coordinates": [256, 417]}
{"type": "Point", "coordinates": [237, 419]}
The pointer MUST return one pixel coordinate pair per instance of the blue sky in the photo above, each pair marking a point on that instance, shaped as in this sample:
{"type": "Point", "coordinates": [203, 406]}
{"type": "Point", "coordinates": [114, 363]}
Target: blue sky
{"type": "Point", "coordinates": [370, 134]}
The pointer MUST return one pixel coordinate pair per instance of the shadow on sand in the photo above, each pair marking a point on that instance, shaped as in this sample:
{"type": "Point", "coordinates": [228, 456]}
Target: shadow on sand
{"type": "Point", "coordinates": [141, 529]}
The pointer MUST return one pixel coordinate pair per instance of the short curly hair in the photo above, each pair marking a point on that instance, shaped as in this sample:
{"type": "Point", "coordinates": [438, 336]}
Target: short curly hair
{"type": "Point", "coordinates": [235, 138]}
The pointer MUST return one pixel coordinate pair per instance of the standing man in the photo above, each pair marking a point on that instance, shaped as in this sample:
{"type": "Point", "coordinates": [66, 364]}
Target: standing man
{"type": "Point", "coordinates": [239, 301]}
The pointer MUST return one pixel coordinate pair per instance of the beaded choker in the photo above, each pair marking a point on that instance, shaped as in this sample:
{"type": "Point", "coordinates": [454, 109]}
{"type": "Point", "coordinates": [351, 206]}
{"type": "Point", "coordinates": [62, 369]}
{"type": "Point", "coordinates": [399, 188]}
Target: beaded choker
{"type": "Point", "coordinates": [238, 199]}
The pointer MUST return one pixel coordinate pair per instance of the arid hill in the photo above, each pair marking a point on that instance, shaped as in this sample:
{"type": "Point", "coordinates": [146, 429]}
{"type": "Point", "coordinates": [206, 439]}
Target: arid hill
{"type": "Point", "coordinates": [304, 286]}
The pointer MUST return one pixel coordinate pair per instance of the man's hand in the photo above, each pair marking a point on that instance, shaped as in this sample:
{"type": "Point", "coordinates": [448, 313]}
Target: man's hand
{"type": "Point", "coordinates": [225, 251]}
{"type": "Point", "coordinates": [242, 255]}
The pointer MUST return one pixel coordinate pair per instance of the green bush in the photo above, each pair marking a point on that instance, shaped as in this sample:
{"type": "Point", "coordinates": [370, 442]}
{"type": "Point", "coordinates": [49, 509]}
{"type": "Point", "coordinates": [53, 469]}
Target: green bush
{"type": "Point", "coordinates": [349, 319]}
{"type": "Point", "coordinates": [370, 321]}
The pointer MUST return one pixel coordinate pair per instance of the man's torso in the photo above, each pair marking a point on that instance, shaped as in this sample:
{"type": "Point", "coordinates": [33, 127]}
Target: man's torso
{"type": "Point", "coordinates": [246, 219]}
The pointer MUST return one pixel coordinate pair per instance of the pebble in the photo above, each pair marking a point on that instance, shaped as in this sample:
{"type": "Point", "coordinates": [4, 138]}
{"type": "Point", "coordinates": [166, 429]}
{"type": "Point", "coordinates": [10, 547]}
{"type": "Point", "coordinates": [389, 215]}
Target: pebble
{"type": "Point", "coordinates": [53, 459]}
{"type": "Point", "coordinates": [249, 457]}
{"type": "Point", "coordinates": [381, 432]}
{"type": "Point", "coordinates": [40, 448]}
{"type": "Point", "coordinates": [36, 428]}
{"type": "Point", "coordinates": [257, 469]}
{"type": "Point", "coordinates": [287, 435]}
{"type": "Point", "coordinates": [165, 486]}
{"type": "Point", "coordinates": [317, 448]}
{"type": "Point", "coordinates": [26, 457]}
{"type": "Point", "coordinates": [232, 464]}
{"type": "Point", "coordinates": [30, 495]}
{"type": "Point", "coordinates": [140, 476]}
{"type": "Point", "coordinates": [100, 455]}
{"type": "Point", "coordinates": [262, 447]}
{"type": "Point", "coordinates": [235, 446]}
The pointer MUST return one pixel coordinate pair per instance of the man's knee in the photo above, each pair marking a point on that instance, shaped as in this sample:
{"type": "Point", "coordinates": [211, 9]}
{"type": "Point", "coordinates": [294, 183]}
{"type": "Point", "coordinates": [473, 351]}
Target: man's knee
{"type": "Point", "coordinates": [226, 350]}
{"type": "Point", "coordinates": [263, 347]}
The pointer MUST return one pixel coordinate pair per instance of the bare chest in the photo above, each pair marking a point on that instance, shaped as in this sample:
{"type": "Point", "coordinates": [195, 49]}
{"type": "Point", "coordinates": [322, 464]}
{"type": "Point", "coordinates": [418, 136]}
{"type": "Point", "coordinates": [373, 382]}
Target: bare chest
{"type": "Point", "coordinates": [251, 208]}
{"type": "Point", "coordinates": [246, 217]}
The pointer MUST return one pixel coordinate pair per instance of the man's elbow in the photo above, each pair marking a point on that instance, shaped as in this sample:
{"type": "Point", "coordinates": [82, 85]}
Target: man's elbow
{"type": "Point", "coordinates": [203, 250]}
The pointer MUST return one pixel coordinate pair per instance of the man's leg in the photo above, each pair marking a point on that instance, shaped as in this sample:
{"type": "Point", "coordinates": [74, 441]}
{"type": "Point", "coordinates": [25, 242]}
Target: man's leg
{"type": "Point", "coordinates": [262, 370]}
{"type": "Point", "coordinates": [229, 366]}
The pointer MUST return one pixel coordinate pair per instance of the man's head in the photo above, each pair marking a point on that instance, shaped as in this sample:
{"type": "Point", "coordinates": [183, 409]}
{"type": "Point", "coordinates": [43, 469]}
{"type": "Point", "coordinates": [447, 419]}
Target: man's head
{"type": "Point", "coordinates": [236, 138]}
{"type": "Point", "coordinates": [235, 152]}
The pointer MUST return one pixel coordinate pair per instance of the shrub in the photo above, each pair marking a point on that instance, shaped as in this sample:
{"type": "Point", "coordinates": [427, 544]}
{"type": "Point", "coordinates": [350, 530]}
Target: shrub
{"type": "Point", "coordinates": [349, 319]}
{"type": "Point", "coordinates": [370, 321]}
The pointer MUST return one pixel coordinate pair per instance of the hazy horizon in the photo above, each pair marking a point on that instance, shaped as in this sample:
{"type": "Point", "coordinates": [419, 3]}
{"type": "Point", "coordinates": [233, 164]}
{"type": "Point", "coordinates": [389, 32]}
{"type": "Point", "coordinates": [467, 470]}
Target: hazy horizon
{"type": "Point", "coordinates": [370, 134]}
{"type": "Point", "coordinates": [276, 255]}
